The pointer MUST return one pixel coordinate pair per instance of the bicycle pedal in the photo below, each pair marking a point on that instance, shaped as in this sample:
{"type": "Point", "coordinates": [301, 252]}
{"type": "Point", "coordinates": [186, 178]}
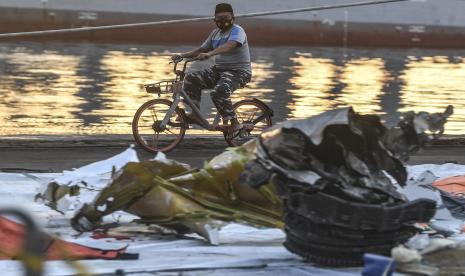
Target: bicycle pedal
{"type": "Point", "coordinates": [243, 133]}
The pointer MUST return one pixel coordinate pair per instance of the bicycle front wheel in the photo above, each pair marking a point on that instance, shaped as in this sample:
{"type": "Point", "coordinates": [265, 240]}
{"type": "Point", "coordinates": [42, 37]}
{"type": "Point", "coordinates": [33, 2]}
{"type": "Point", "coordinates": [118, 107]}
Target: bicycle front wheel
{"type": "Point", "coordinates": [148, 131]}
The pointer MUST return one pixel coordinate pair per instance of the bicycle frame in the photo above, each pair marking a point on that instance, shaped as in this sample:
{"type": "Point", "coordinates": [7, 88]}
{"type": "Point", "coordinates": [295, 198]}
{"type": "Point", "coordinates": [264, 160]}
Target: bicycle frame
{"type": "Point", "coordinates": [179, 92]}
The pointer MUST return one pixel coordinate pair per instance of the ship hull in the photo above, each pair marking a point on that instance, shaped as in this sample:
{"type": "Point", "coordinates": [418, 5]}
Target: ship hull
{"type": "Point", "coordinates": [342, 29]}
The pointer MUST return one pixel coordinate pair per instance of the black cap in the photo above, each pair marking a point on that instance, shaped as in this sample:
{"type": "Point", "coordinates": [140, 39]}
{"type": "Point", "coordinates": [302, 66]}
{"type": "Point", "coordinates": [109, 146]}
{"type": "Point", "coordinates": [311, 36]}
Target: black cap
{"type": "Point", "coordinates": [223, 7]}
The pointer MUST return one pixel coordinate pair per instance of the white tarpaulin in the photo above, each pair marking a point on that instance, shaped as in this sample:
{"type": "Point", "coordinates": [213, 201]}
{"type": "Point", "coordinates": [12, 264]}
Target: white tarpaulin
{"type": "Point", "coordinates": [242, 249]}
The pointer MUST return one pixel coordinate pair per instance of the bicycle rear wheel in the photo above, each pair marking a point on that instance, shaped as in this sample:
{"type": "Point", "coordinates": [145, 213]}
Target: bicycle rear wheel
{"type": "Point", "coordinates": [147, 129]}
{"type": "Point", "coordinates": [255, 116]}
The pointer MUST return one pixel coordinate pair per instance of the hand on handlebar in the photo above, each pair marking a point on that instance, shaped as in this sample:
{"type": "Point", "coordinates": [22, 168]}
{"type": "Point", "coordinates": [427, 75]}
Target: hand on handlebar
{"type": "Point", "coordinates": [176, 58]}
{"type": "Point", "coordinates": [203, 56]}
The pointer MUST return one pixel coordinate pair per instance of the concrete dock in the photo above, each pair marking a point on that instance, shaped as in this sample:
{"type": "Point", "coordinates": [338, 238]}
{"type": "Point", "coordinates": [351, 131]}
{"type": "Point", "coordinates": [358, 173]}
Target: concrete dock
{"type": "Point", "coordinates": [58, 153]}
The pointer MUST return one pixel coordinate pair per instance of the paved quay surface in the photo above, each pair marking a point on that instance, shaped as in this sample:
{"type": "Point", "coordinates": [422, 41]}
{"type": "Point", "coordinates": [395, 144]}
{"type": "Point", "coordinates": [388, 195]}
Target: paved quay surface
{"type": "Point", "coordinates": [58, 153]}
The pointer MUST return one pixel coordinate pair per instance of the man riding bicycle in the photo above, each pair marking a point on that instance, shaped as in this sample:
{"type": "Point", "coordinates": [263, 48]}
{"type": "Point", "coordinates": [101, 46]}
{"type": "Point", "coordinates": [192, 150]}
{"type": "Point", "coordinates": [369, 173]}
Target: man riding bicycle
{"type": "Point", "coordinates": [232, 69]}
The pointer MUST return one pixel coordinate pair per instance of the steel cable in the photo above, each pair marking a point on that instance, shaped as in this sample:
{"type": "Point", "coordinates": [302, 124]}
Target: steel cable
{"type": "Point", "coordinates": [198, 19]}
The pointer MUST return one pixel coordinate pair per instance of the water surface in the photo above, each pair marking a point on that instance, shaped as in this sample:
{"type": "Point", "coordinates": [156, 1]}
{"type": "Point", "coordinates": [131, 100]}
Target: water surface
{"type": "Point", "coordinates": [59, 88]}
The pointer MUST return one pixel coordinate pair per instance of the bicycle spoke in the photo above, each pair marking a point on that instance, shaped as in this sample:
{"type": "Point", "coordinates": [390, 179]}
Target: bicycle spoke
{"type": "Point", "coordinates": [240, 116]}
{"type": "Point", "coordinates": [251, 116]}
{"type": "Point", "coordinates": [171, 132]}
{"type": "Point", "coordinates": [259, 119]}
{"type": "Point", "coordinates": [167, 134]}
{"type": "Point", "coordinates": [158, 138]}
{"type": "Point", "coordinates": [154, 114]}
{"type": "Point", "coordinates": [153, 140]}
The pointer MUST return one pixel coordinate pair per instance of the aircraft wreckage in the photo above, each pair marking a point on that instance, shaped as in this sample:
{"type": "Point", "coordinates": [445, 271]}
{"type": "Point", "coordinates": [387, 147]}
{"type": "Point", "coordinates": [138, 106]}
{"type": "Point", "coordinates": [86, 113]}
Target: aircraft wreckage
{"type": "Point", "coordinates": [330, 181]}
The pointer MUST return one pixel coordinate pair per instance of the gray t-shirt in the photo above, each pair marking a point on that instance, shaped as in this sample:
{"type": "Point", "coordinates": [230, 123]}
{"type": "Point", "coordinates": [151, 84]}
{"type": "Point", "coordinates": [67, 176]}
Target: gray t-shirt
{"type": "Point", "coordinates": [239, 58]}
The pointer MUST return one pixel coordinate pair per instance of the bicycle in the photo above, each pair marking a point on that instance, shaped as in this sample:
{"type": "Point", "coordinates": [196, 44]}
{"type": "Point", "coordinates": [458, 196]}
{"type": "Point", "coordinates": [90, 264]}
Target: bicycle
{"type": "Point", "coordinates": [159, 125]}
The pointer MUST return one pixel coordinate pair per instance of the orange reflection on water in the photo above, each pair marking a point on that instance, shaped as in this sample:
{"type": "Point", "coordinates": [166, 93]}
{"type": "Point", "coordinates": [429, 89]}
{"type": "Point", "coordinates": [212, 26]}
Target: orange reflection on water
{"type": "Point", "coordinates": [431, 84]}
{"type": "Point", "coordinates": [43, 99]}
{"type": "Point", "coordinates": [312, 80]}
{"type": "Point", "coordinates": [262, 71]}
{"type": "Point", "coordinates": [364, 78]}
{"type": "Point", "coordinates": [124, 91]}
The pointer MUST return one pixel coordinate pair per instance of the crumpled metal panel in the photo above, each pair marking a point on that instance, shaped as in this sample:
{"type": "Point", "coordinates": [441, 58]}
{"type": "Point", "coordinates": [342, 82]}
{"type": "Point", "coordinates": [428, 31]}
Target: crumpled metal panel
{"type": "Point", "coordinates": [332, 170]}
{"type": "Point", "coordinates": [314, 127]}
{"type": "Point", "coordinates": [187, 201]}
{"type": "Point", "coordinates": [350, 150]}
{"type": "Point", "coordinates": [413, 131]}
{"type": "Point", "coordinates": [350, 154]}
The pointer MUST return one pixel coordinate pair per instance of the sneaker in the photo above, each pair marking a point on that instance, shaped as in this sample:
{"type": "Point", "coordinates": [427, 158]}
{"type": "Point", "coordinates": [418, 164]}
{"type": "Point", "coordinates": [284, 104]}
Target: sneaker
{"type": "Point", "coordinates": [230, 130]}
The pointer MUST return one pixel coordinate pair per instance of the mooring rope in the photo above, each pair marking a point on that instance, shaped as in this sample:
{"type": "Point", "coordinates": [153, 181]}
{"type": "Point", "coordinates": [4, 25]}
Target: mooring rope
{"type": "Point", "coordinates": [189, 20]}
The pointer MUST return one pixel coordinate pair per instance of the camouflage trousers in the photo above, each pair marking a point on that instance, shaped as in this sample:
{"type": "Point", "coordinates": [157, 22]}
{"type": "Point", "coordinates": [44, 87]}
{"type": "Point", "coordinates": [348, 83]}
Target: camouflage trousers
{"type": "Point", "coordinates": [223, 82]}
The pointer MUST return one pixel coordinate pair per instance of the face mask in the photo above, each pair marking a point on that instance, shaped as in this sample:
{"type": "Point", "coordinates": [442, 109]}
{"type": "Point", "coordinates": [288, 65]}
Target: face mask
{"type": "Point", "coordinates": [224, 24]}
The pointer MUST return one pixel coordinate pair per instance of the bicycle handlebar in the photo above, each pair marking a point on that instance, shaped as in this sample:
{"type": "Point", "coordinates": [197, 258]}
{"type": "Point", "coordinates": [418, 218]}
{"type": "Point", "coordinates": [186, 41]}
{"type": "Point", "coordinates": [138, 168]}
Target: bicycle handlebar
{"type": "Point", "coordinates": [186, 61]}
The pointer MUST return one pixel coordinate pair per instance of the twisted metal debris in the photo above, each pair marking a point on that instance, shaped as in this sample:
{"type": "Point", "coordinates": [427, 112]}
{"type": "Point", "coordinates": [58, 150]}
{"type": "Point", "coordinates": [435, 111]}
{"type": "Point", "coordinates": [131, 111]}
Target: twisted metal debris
{"type": "Point", "coordinates": [331, 171]}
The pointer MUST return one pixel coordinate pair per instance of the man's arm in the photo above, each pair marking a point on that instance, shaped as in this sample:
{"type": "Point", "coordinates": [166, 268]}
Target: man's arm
{"type": "Point", "coordinates": [191, 54]}
{"type": "Point", "coordinates": [227, 47]}
{"type": "Point", "coordinates": [194, 53]}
